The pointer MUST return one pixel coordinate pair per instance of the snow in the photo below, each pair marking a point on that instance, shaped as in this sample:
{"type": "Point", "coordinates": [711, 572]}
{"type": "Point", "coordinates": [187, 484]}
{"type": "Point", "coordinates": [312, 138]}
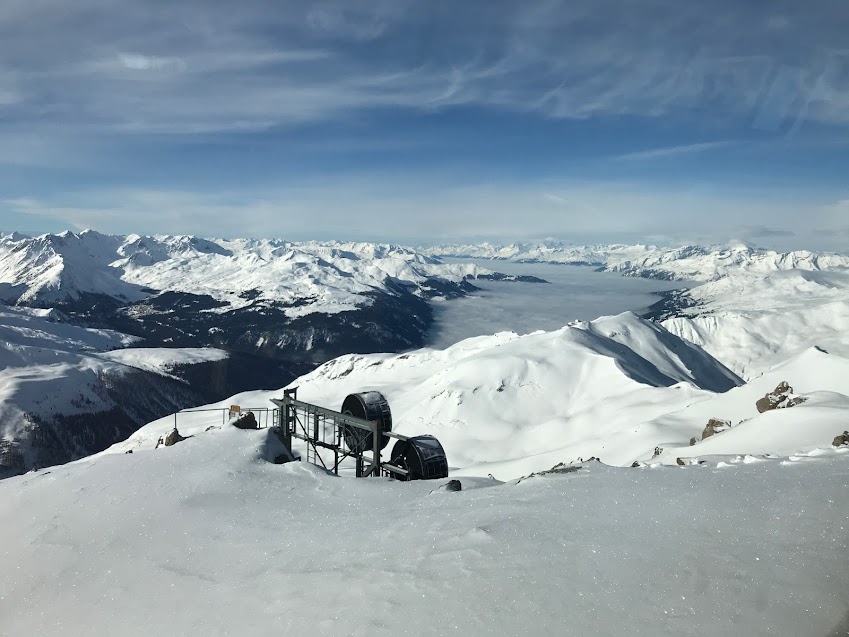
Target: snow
{"type": "Point", "coordinates": [687, 263]}
{"type": "Point", "coordinates": [752, 322]}
{"type": "Point", "coordinates": [326, 277]}
{"type": "Point", "coordinates": [822, 379]}
{"type": "Point", "coordinates": [509, 404]}
{"type": "Point", "coordinates": [49, 367]}
{"type": "Point", "coordinates": [615, 388]}
{"type": "Point", "coordinates": [208, 537]}
{"type": "Point", "coordinates": [162, 359]}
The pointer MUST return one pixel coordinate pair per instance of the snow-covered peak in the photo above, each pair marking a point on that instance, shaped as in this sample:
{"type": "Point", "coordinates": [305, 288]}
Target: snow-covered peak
{"type": "Point", "coordinates": [55, 268]}
{"type": "Point", "coordinates": [316, 276]}
{"type": "Point", "coordinates": [522, 403]}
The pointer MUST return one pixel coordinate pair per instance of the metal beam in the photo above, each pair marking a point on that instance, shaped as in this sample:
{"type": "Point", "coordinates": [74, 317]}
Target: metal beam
{"type": "Point", "coordinates": [344, 419]}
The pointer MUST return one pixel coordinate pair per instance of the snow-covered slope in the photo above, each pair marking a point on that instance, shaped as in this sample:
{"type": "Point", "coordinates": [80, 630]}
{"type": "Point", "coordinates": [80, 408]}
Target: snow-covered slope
{"type": "Point", "coordinates": [509, 404]}
{"type": "Point", "coordinates": [67, 391]}
{"type": "Point", "coordinates": [753, 322]}
{"type": "Point", "coordinates": [821, 379]}
{"type": "Point", "coordinates": [209, 538]}
{"type": "Point", "coordinates": [689, 263]}
{"type": "Point", "coordinates": [615, 388]}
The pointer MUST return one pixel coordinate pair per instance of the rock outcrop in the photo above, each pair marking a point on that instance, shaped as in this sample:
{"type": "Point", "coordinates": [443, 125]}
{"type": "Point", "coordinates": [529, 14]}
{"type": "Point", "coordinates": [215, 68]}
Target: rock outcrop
{"type": "Point", "coordinates": [173, 438]}
{"type": "Point", "coordinates": [781, 397]}
{"type": "Point", "coordinates": [715, 426]}
{"type": "Point", "coordinates": [841, 440]}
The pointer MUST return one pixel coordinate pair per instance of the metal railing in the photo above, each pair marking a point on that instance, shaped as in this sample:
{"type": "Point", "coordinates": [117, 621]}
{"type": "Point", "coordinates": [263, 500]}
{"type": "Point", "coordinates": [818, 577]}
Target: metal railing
{"type": "Point", "coordinates": [264, 415]}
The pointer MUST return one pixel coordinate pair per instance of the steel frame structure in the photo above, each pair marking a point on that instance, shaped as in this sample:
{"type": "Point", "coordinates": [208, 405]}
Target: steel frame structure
{"type": "Point", "coordinates": [323, 429]}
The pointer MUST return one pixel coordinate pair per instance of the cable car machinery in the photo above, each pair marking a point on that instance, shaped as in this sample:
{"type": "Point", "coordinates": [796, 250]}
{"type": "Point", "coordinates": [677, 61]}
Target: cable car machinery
{"type": "Point", "coordinates": [364, 426]}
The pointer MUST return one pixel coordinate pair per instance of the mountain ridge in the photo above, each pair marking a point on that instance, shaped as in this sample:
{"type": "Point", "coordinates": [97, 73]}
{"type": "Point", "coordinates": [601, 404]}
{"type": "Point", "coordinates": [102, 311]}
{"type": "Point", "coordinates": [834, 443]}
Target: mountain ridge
{"type": "Point", "coordinates": [686, 263]}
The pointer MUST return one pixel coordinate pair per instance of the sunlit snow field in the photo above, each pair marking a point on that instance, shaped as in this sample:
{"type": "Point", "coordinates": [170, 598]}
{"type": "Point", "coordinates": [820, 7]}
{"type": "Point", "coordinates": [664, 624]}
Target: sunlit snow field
{"type": "Point", "coordinates": [573, 293]}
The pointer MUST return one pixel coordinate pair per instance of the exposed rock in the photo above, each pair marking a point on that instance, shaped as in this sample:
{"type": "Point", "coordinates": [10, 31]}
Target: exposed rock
{"type": "Point", "coordinates": [763, 404]}
{"type": "Point", "coordinates": [780, 397]}
{"type": "Point", "coordinates": [680, 462]}
{"type": "Point", "coordinates": [173, 438]}
{"type": "Point", "coordinates": [783, 388]}
{"type": "Point", "coordinates": [248, 421]}
{"type": "Point", "coordinates": [715, 426]}
{"type": "Point", "coordinates": [693, 441]}
{"type": "Point", "coordinates": [841, 440]}
{"type": "Point", "coordinates": [453, 485]}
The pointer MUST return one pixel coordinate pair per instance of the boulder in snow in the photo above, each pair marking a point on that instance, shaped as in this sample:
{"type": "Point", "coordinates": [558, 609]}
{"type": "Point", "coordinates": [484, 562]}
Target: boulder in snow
{"type": "Point", "coordinates": [715, 426]}
{"type": "Point", "coordinates": [453, 485]}
{"type": "Point", "coordinates": [173, 438]}
{"type": "Point", "coordinates": [780, 397]}
{"type": "Point", "coordinates": [841, 440]}
{"type": "Point", "coordinates": [248, 421]}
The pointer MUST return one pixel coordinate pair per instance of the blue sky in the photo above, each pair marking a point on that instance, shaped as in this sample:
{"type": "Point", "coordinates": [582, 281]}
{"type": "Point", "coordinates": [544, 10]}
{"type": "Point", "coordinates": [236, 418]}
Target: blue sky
{"type": "Point", "coordinates": [418, 121]}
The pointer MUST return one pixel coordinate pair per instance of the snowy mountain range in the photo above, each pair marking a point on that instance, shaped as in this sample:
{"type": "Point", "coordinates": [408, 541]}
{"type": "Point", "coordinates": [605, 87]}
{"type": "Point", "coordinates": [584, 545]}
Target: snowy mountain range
{"type": "Point", "coordinates": [618, 451]}
{"type": "Point", "coordinates": [688, 263]}
{"type": "Point", "coordinates": [276, 307]}
{"type": "Point", "coordinates": [177, 321]}
{"type": "Point", "coordinates": [295, 301]}
{"type": "Point", "coordinates": [331, 277]}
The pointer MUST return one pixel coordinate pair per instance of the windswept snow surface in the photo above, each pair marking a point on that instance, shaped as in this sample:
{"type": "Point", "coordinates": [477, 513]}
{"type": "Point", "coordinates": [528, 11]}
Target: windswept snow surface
{"type": "Point", "coordinates": [309, 277]}
{"type": "Point", "coordinates": [689, 263]}
{"type": "Point", "coordinates": [753, 322]}
{"type": "Point", "coordinates": [209, 538]}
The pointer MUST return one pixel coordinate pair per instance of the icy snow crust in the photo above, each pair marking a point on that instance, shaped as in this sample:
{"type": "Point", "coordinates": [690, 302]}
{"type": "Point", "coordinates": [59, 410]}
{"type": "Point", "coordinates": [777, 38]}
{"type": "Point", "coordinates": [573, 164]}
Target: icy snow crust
{"type": "Point", "coordinates": [209, 538]}
{"type": "Point", "coordinates": [325, 277]}
{"type": "Point", "coordinates": [688, 263]}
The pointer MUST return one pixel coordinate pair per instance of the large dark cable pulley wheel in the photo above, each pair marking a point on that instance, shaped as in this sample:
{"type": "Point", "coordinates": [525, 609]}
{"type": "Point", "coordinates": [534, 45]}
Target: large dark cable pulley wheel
{"type": "Point", "coordinates": [370, 405]}
{"type": "Point", "coordinates": [422, 456]}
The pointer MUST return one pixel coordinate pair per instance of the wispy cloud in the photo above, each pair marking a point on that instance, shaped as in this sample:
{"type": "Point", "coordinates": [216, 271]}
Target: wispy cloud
{"type": "Point", "coordinates": [198, 66]}
{"type": "Point", "coordinates": [673, 151]}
